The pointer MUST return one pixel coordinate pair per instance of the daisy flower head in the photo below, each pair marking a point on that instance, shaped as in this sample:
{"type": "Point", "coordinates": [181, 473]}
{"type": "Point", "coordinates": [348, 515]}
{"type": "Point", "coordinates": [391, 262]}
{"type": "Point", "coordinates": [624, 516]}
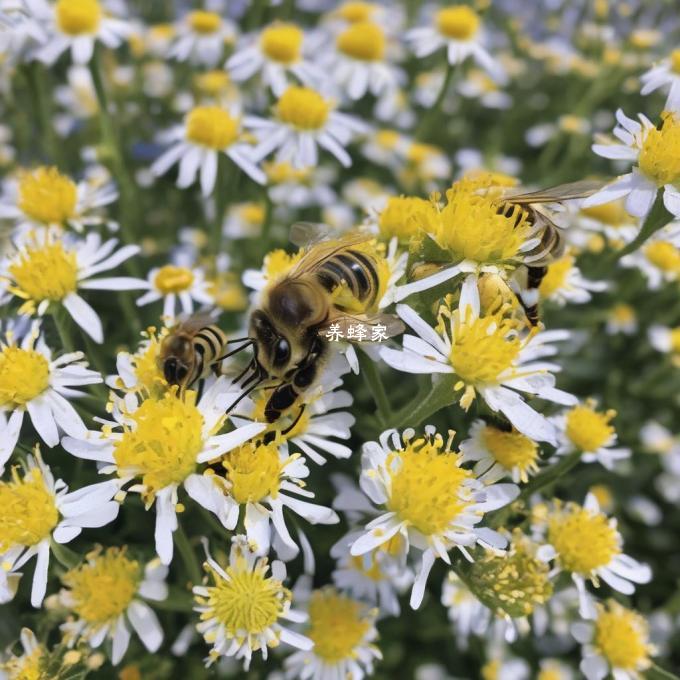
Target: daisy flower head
{"type": "Point", "coordinates": [32, 382]}
{"type": "Point", "coordinates": [304, 119]}
{"type": "Point", "coordinates": [425, 165]}
{"type": "Point", "coordinates": [616, 642]}
{"type": "Point", "coordinates": [656, 149]}
{"type": "Point", "coordinates": [276, 54]}
{"type": "Point", "coordinates": [611, 219]}
{"type": "Point", "coordinates": [20, 33]}
{"type": "Point", "coordinates": [427, 499]}
{"type": "Point", "coordinates": [500, 453]}
{"type": "Point", "coordinates": [200, 38]}
{"type": "Point", "coordinates": [216, 87]}
{"type": "Point", "coordinates": [45, 197]}
{"type": "Point", "coordinates": [666, 340]}
{"type": "Point", "coordinates": [77, 25]}
{"type": "Point", "coordinates": [467, 614]}
{"type": "Point", "coordinates": [243, 606]}
{"type": "Point", "coordinates": [244, 220]}
{"type": "Point", "coordinates": [583, 428]}
{"type": "Point", "coordinates": [36, 510]}
{"type": "Point", "coordinates": [488, 354]}
{"type": "Point", "coordinates": [662, 75]}
{"type": "Point", "coordinates": [160, 442]}
{"type": "Point", "coordinates": [179, 287]}
{"type": "Point", "coordinates": [208, 131]}
{"type": "Point", "coordinates": [343, 634]}
{"type": "Point", "coordinates": [554, 669]}
{"type": "Point", "coordinates": [584, 542]}
{"type": "Point", "coordinates": [659, 257]}
{"type": "Point", "coordinates": [564, 283]}
{"type": "Point", "coordinates": [458, 29]}
{"type": "Point", "coordinates": [72, 265]}
{"type": "Point", "coordinates": [622, 319]}
{"type": "Point", "coordinates": [105, 596]}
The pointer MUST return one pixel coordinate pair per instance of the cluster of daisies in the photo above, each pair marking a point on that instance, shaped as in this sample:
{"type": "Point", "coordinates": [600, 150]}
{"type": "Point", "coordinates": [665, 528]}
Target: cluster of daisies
{"type": "Point", "coordinates": [490, 493]}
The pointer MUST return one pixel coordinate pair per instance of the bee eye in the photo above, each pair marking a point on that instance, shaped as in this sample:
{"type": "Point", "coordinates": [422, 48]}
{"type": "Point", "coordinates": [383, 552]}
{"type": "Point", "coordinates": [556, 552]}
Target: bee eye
{"type": "Point", "coordinates": [170, 370]}
{"type": "Point", "coordinates": [281, 352]}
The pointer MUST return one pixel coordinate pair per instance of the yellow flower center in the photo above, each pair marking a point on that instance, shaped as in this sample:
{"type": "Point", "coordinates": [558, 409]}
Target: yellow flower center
{"type": "Point", "coordinates": [511, 449]}
{"type": "Point", "coordinates": [556, 276]}
{"type": "Point", "coordinates": [550, 673]}
{"type": "Point", "coordinates": [613, 214]}
{"type": "Point", "coordinates": [491, 670]}
{"type": "Point", "coordinates": [28, 513]}
{"type": "Point", "coordinates": [28, 667]}
{"type": "Point", "coordinates": [204, 22]}
{"type": "Point", "coordinates": [363, 40]}
{"type": "Point", "coordinates": [45, 272]}
{"type": "Point", "coordinates": [171, 279]}
{"type": "Point", "coordinates": [660, 152]}
{"type": "Point", "coordinates": [426, 484]}
{"type": "Point", "coordinates": [675, 339]}
{"type": "Point", "coordinates": [458, 22]}
{"type": "Point", "coordinates": [603, 495]}
{"type": "Point", "coordinates": [663, 255]}
{"type": "Point", "coordinates": [356, 11]}
{"type": "Point", "coordinates": [621, 638]}
{"type": "Point", "coordinates": [280, 172]}
{"type": "Point", "coordinates": [623, 314]}
{"type": "Point", "coordinates": [150, 378]}
{"type": "Point", "coordinates": [162, 445]}
{"type": "Point", "coordinates": [402, 217]}
{"type": "Point", "coordinates": [47, 196]}
{"type": "Point", "coordinates": [212, 127]}
{"type": "Point", "coordinates": [479, 227]}
{"type": "Point", "coordinates": [337, 625]}
{"type": "Point", "coordinates": [254, 471]}
{"type": "Point", "coordinates": [78, 17]}
{"type": "Point", "coordinates": [583, 540]}
{"type": "Point", "coordinates": [248, 602]}
{"type": "Point", "coordinates": [103, 587]}
{"type": "Point", "coordinates": [212, 82]}
{"type": "Point", "coordinates": [367, 565]}
{"type": "Point", "coordinates": [252, 213]}
{"type": "Point", "coordinates": [388, 139]}
{"type": "Point", "coordinates": [675, 61]}
{"type": "Point", "coordinates": [24, 374]}
{"type": "Point", "coordinates": [279, 262]}
{"type": "Point", "coordinates": [303, 108]}
{"type": "Point", "coordinates": [282, 43]}
{"type": "Point", "coordinates": [589, 430]}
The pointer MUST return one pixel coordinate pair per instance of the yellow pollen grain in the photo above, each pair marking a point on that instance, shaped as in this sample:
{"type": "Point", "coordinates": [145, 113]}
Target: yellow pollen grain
{"type": "Point", "coordinates": [303, 108]}
{"type": "Point", "coordinates": [172, 279]}
{"type": "Point", "coordinates": [254, 472]}
{"type": "Point", "coordinates": [588, 429]}
{"type": "Point", "coordinates": [337, 625]}
{"type": "Point", "coordinates": [212, 127]}
{"type": "Point", "coordinates": [204, 22]}
{"type": "Point", "coordinates": [621, 637]}
{"type": "Point", "coordinates": [426, 484]}
{"type": "Point", "coordinates": [458, 22]}
{"type": "Point", "coordinates": [556, 277]}
{"type": "Point", "coordinates": [663, 255]}
{"type": "Point", "coordinates": [104, 586]}
{"type": "Point", "coordinates": [584, 540]}
{"type": "Point", "coordinates": [47, 196]}
{"type": "Point", "coordinates": [24, 374]}
{"type": "Point", "coordinates": [660, 153]}
{"type": "Point", "coordinates": [282, 43]}
{"type": "Point", "coordinates": [28, 512]}
{"type": "Point", "coordinates": [511, 449]}
{"type": "Point", "coordinates": [78, 17]}
{"type": "Point", "coordinates": [364, 41]}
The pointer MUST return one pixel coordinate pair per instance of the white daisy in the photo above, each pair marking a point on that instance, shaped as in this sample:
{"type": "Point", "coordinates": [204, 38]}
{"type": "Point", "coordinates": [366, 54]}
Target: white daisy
{"type": "Point", "coordinates": [76, 25]}
{"type": "Point", "coordinates": [659, 257]}
{"type": "Point", "coordinates": [200, 38]}
{"type": "Point", "coordinates": [429, 501]}
{"type": "Point", "coordinates": [162, 442]}
{"type": "Point", "coordinates": [36, 510]}
{"type": "Point", "coordinates": [564, 283]}
{"type": "Point", "coordinates": [72, 265]}
{"type": "Point", "coordinates": [656, 150]}
{"type": "Point", "coordinates": [20, 33]}
{"type": "Point", "coordinates": [303, 120]}
{"type": "Point", "coordinates": [106, 595]}
{"type": "Point", "coordinates": [666, 73]}
{"type": "Point", "coordinates": [208, 131]}
{"type": "Point", "coordinates": [468, 616]}
{"type": "Point", "coordinates": [31, 381]}
{"type": "Point", "coordinates": [622, 319]}
{"type": "Point", "coordinates": [667, 340]}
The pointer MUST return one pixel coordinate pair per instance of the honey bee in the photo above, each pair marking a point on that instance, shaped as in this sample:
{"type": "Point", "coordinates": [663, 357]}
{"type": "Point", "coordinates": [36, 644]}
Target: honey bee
{"type": "Point", "coordinates": [192, 349]}
{"type": "Point", "coordinates": [334, 283]}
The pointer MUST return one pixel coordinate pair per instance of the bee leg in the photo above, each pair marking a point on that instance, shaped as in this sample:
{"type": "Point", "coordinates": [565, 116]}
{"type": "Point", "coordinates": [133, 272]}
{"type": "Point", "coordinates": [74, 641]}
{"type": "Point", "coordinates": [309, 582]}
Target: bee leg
{"type": "Point", "coordinates": [237, 379]}
{"type": "Point", "coordinates": [233, 351]}
{"type": "Point", "coordinates": [529, 297]}
{"type": "Point", "coordinates": [282, 399]}
{"type": "Point", "coordinates": [243, 394]}
{"type": "Point", "coordinates": [296, 421]}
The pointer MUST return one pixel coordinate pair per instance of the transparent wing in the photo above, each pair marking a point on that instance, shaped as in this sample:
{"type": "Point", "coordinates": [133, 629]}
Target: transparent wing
{"type": "Point", "coordinates": [305, 234]}
{"type": "Point", "coordinates": [194, 322]}
{"type": "Point", "coordinates": [318, 253]}
{"type": "Point", "coordinates": [561, 192]}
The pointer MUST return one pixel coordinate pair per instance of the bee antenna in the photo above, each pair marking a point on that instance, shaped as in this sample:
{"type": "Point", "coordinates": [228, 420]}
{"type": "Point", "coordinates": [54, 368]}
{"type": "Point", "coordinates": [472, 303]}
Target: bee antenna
{"type": "Point", "coordinates": [234, 351]}
{"type": "Point", "coordinates": [229, 342]}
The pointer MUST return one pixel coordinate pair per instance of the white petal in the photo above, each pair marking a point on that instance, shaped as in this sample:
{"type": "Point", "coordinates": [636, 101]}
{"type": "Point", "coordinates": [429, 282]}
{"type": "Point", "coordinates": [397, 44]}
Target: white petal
{"type": "Point", "coordinates": [121, 640]}
{"type": "Point", "coordinates": [42, 564]}
{"type": "Point", "coordinates": [84, 316]}
{"type": "Point", "coordinates": [145, 623]}
{"type": "Point", "coordinates": [418, 589]}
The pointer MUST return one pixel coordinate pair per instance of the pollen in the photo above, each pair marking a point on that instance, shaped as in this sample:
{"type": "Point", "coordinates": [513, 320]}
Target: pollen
{"type": "Point", "coordinates": [458, 22]}
{"type": "Point", "coordinates": [254, 471]}
{"type": "Point", "coordinates": [660, 153]}
{"type": "Point", "coordinates": [103, 587]}
{"type": "Point", "coordinates": [364, 41]}
{"type": "Point", "coordinates": [162, 444]}
{"type": "Point", "coordinates": [47, 196]}
{"type": "Point", "coordinates": [172, 279]}
{"type": "Point", "coordinates": [337, 625]}
{"type": "Point", "coordinates": [427, 485]}
{"type": "Point", "coordinates": [44, 272]}
{"type": "Point", "coordinates": [512, 450]}
{"type": "Point", "coordinates": [204, 22]}
{"type": "Point", "coordinates": [621, 637]}
{"type": "Point", "coordinates": [403, 217]}
{"type": "Point", "coordinates": [353, 12]}
{"type": "Point", "coordinates": [584, 540]}
{"type": "Point", "coordinates": [663, 255]}
{"type": "Point", "coordinates": [589, 430]}
{"type": "Point", "coordinates": [78, 17]}
{"type": "Point", "coordinates": [282, 43]}
{"type": "Point", "coordinates": [556, 277]}
{"type": "Point", "coordinates": [212, 127]}
{"type": "Point", "coordinates": [24, 374]}
{"type": "Point", "coordinates": [249, 601]}
{"type": "Point", "coordinates": [303, 108]}
{"type": "Point", "coordinates": [28, 512]}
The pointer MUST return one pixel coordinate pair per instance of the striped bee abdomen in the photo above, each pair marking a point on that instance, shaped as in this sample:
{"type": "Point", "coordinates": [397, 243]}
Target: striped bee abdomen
{"type": "Point", "coordinates": [209, 344]}
{"type": "Point", "coordinates": [356, 270]}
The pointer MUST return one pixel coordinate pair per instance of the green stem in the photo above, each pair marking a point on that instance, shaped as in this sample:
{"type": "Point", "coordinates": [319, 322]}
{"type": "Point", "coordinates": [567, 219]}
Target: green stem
{"type": "Point", "coordinates": [657, 218]}
{"type": "Point", "coordinates": [65, 556]}
{"type": "Point", "coordinates": [188, 556]}
{"type": "Point", "coordinates": [415, 412]}
{"type": "Point", "coordinates": [655, 672]}
{"type": "Point", "coordinates": [37, 79]}
{"type": "Point", "coordinates": [63, 323]}
{"type": "Point", "coordinates": [433, 114]}
{"type": "Point", "coordinates": [373, 381]}
{"type": "Point", "coordinates": [220, 204]}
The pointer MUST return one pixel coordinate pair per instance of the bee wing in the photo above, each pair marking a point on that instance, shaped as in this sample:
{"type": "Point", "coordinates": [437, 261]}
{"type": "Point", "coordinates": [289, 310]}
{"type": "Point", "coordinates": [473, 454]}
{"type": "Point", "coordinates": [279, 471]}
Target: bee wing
{"type": "Point", "coordinates": [305, 234]}
{"type": "Point", "coordinates": [561, 192]}
{"type": "Point", "coordinates": [392, 325]}
{"type": "Point", "coordinates": [318, 253]}
{"type": "Point", "coordinates": [194, 322]}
